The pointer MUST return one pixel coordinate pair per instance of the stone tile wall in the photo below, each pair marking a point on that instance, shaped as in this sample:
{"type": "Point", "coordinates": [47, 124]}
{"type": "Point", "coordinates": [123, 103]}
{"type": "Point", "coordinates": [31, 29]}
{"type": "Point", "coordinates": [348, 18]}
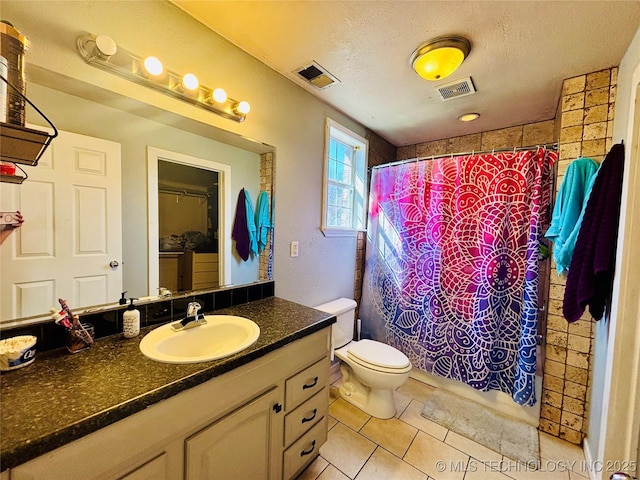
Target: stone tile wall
{"type": "Point", "coordinates": [267, 178]}
{"type": "Point", "coordinates": [585, 119]}
{"type": "Point", "coordinates": [520, 136]}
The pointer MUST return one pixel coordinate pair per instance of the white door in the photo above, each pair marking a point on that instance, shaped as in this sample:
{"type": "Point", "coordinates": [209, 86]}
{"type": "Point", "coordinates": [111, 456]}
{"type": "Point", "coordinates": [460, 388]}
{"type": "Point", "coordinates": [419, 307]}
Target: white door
{"type": "Point", "coordinates": [71, 203]}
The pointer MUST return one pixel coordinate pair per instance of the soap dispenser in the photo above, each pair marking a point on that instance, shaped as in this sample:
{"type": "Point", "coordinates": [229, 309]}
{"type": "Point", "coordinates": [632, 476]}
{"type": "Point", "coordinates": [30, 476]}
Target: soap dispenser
{"type": "Point", "coordinates": [131, 321]}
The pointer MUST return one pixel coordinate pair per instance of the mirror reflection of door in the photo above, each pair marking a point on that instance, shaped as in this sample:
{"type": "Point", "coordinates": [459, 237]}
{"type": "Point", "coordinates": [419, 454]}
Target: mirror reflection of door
{"type": "Point", "coordinates": [188, 224]}
{"type": "Point", "coordinates": [72, 232]}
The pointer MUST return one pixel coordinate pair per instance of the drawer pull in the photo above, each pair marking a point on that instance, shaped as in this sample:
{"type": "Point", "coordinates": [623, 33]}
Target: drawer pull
{"type": "Point", "coordinates": [308, 452]}
{"type": "Point", "coordinates": [315, 382]}
{"type": "Point", "coordinates": [315, 412]}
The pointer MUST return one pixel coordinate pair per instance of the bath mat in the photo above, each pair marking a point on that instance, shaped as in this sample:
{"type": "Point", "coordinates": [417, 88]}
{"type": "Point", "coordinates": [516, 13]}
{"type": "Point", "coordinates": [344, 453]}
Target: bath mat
{"type": "Point", "coordinates": [503, 434]}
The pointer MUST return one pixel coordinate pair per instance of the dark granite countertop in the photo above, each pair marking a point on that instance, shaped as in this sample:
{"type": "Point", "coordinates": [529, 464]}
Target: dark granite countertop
{"type": "Point", "coordinates": [62, 397]}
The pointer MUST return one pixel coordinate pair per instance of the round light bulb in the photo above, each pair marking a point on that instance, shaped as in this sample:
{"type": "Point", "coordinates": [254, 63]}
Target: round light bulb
{"type": "Point", "coordinates": [243, 107]}
{"type": "Point", "coordinates": [153, 66]}
{"type": "Point", "coordinates": [219, 95]}
{"type": "Point", "coordinates": [190, 81]}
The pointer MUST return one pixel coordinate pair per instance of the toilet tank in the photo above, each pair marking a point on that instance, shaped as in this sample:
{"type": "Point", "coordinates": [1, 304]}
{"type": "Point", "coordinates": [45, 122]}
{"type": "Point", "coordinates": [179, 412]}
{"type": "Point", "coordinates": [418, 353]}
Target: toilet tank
{"type": "Point", "coordinates": [341, 331]}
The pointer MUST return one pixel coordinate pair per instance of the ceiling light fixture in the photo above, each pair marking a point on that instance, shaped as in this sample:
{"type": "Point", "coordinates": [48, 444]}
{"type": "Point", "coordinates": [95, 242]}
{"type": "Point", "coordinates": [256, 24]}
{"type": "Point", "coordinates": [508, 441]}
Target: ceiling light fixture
{"type": "Point", "coordinates": [102, 52]}
{"type": "Point", "coordinates": [440, 57]}
{"type": "Point", "coordinates": [469, 117]}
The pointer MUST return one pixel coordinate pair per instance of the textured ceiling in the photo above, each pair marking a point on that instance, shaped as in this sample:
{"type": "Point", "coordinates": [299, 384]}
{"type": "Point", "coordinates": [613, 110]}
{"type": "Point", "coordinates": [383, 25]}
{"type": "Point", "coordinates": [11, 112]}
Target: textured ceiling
{"type": "Point", "coordinates": [521, 52]}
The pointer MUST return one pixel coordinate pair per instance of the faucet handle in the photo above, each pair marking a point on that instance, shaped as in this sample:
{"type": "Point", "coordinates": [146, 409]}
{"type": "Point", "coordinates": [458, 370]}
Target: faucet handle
{"type": "Point", "coordinates": [193, 308]}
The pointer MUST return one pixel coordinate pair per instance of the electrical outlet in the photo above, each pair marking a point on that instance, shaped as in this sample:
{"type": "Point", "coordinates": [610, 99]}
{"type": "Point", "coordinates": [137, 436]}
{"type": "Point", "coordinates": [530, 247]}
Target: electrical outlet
{"type": "Point", "coordinates": [293, 251]}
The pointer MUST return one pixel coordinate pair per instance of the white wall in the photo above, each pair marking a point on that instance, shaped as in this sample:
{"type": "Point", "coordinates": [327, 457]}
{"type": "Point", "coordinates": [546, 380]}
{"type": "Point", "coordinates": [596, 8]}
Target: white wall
{"type": "Point", "coordinates": [613, 428]}
{"type": "Point", "coordinates": [282, 115]}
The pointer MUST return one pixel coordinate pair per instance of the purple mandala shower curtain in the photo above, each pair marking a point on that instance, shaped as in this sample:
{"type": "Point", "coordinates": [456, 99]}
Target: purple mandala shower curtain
{"type": "Point", "coordinates": [451, 275]}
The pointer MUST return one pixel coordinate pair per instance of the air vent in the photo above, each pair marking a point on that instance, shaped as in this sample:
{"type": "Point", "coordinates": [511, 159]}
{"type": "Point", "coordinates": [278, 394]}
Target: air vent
{"type": "Point", "coordinates": [457, 89]}
{"type": "Point", "coordinates": [316, 75]}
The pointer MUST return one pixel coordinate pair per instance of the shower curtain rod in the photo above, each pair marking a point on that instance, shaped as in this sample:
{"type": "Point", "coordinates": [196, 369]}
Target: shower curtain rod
{"type": "Point", "coordinates": [550, 146]}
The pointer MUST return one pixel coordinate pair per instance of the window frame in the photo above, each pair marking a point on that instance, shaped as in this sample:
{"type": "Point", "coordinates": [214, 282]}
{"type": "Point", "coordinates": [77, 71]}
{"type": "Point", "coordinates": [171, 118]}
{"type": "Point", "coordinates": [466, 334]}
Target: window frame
{"type": "Point", "coordinates": [333, 130]}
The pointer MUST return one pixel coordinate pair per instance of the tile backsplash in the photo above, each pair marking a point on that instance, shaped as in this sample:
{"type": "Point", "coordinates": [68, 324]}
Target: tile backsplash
{"type": "Point", "coordinates": [109, 321]}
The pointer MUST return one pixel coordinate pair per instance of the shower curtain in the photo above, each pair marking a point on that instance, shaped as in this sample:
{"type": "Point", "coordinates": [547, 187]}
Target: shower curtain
{"type": "Point", "coordinates": [451, 273]}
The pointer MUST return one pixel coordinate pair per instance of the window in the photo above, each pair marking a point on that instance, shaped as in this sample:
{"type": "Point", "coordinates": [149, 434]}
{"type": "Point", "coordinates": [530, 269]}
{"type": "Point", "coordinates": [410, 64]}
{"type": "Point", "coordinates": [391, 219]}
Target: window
{"type": "Point", "coordinates": [345, 181]}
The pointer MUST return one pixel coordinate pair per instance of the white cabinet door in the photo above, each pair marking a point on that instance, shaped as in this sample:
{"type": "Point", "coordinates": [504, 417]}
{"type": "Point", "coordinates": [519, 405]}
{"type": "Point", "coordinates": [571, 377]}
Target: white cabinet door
{"type": "Point", "coordinates": [72, 231]}
{"type": "Point", "coordinates": [242, 445]}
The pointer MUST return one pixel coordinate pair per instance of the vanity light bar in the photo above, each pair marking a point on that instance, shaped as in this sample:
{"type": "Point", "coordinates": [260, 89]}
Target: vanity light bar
{"type": "Point", "coordinates": [102, 52]}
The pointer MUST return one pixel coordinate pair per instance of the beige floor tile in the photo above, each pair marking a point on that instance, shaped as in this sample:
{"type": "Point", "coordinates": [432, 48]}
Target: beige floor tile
{"type": "Point", "coordinates": [402, 401]}
{"type": "Point", "coordinates": [385, 466]}
{"type": "Point", "coordinates": [416, 389]}
{"type": "Point", "coordinates": [332, 423]}
{"type": "Point", "coordinates": [554, 448]}
{"type": "Point", "coordinates": [471, 448]}
{"type": "Point", "coordinates": [346, 413]}
{"type": "Point", "coordinates": [346, 450]}
{"type": "Point", "coordinates": [480, 471]}
{"type": "Point", "coordinates": [314, 469]}
{"type": "Point", "coordinates": [436, 458]}
{"type": "Point", "coordinates": [580, 474]}
{"type": "Point", "coordinates": [548, 470]}
{"type": "Point", "coordinates": [334, 394]}
{"type": "Point", "coordinates": [412, 416]}
{"type": "Point", "coordinates": [332, 473]}
{"type": "Point", "coordinates": [392, 434]}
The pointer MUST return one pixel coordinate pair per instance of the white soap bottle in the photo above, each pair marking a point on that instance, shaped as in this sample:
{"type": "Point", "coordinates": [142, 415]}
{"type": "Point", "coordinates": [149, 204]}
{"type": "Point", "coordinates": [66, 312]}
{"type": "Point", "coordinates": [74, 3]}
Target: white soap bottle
{"type": "Point", "coordinates": [131, 321]}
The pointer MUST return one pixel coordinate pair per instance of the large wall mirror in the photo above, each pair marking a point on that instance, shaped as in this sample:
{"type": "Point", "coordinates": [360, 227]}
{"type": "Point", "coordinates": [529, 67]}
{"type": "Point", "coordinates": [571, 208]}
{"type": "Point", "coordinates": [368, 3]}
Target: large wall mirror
{"type": "Point", "coordinates": [166, 161]}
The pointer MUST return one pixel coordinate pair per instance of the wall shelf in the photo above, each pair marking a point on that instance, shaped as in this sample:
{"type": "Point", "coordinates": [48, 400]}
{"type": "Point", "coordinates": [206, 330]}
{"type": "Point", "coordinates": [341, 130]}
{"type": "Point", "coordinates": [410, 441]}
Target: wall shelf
{"type": "Point", "coordinates": [22, 145]}
{"type": "Point", "coordinates": [17, 179]}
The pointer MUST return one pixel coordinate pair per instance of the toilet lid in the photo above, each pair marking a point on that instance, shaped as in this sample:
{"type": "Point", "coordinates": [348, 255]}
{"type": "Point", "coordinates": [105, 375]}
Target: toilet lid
{"type": "Point", "coordinates": [378, 354]}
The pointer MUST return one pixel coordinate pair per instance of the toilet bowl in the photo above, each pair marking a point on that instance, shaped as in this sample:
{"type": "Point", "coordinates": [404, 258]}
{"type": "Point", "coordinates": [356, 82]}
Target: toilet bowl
{"type": "Point", "coordinates": [371, 370]}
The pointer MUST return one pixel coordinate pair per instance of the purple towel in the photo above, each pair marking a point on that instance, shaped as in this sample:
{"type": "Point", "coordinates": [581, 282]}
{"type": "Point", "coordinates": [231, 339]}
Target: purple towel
{"type": "Point", "coordinates": [590, 278]}
{"type": "Point", "coordinates": [240, 231]}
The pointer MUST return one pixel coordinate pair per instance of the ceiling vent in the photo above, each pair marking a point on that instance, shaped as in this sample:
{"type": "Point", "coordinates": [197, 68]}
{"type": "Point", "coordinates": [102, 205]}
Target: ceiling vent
{"type": "Point", "coordinates": [316, 75]}
{"type": "Point", "coordinates": [459, 88]}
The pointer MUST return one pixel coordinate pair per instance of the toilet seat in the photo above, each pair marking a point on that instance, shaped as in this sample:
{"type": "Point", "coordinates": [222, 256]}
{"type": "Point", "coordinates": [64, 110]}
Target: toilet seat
{"type": "Point", "coordinates": [378, 356]}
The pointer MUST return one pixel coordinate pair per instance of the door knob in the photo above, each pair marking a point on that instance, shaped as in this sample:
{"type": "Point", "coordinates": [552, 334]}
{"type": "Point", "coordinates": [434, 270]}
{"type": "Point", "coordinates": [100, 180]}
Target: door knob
{"type": "Point", "coordinates": [114, 264]}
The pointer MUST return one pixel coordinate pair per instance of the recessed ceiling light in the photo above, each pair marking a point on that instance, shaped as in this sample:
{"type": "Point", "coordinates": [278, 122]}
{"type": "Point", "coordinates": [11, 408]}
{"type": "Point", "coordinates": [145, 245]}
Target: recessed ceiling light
{"type": "Point", "coordinates": [468, 117]}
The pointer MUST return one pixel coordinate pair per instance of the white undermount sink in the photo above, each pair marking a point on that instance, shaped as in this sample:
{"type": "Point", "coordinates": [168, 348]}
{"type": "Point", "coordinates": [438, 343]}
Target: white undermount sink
{"type": "Point", "coordinates": [221, 336]}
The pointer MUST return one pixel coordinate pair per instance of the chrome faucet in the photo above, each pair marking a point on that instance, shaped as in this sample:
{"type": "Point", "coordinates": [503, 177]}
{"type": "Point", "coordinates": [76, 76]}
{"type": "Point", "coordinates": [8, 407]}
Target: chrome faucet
{"type": "Point", "coordinates": [193, 318]}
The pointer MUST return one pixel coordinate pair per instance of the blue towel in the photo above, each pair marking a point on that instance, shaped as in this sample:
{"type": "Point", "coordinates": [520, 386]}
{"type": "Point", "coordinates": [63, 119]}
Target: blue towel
{"type": "Point", "coordinates": [251, 224]}
{"type": "Point", "coordinates": [263, 222]}
{"type": "Point", "coordinates": [568, 211]}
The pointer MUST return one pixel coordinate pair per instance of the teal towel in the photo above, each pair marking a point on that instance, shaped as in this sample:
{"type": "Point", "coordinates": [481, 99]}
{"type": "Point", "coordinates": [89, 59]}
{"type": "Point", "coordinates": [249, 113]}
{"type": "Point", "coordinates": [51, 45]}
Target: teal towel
{"type": "Point", "coordinates": [568, 210]}
{"type": "Point", "coordinates": [263, 222]}
{"type": "Point", "coordinates": [251, 224]}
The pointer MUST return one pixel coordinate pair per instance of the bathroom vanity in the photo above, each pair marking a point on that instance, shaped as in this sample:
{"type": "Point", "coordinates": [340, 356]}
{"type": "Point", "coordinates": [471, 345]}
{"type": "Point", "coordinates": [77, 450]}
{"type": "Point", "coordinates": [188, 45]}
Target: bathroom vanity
{"type": "Point", "coordinates": [111, 413]}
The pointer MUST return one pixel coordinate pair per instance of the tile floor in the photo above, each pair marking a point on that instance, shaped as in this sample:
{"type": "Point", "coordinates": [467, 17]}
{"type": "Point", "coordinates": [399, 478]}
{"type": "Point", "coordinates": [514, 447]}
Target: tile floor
{"type": "Point", "coordinates": [410, 447]}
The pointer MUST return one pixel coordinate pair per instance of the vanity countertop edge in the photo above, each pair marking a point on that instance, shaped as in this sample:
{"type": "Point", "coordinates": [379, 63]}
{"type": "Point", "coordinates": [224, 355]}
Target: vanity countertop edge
{"type": "Point", "coordinates": [62, 397]}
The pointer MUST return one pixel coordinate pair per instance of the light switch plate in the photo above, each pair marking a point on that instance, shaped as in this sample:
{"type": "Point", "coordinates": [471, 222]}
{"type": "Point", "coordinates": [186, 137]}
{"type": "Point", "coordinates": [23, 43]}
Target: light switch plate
{"type": "Point", "coordinates": [293, 250]}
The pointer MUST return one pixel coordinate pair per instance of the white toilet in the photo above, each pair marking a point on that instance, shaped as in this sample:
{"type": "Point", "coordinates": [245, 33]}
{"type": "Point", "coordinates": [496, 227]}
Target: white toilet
{"type": "Point", "coordinates": [371, 370]}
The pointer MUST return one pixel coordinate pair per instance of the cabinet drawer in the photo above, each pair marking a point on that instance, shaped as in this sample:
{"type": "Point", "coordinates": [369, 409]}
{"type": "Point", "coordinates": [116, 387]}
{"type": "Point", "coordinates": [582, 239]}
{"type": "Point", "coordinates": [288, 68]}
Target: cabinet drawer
{"type": "Point", "coordinates": [205, 267]}
{"type": "Point", "coordinates": [306, 383]}
{"type": "Point", "coordinates": [302, 452]}
{"type": "Point", "coordinates": [305, 416]}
